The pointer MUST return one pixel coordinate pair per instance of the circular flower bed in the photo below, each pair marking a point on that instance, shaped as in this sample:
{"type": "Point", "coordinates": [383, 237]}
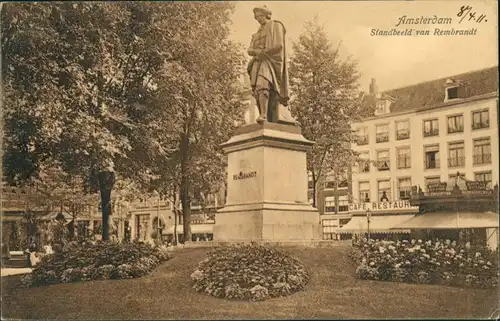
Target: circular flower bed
{"type": "Point", "coordinates": [249, 272]}
{"type": "Point", "coordinates": [100, 261]}
{"type": "Point", "coordinates": [427, 262]}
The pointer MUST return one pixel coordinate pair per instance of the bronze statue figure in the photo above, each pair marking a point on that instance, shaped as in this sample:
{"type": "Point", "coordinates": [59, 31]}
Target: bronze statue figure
{"type": "Point", "coordinates": [268, 69]}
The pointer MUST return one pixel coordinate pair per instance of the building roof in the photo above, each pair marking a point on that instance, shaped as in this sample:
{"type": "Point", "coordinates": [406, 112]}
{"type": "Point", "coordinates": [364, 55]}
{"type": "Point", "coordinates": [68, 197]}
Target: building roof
{"type": "Point", "coordinates": [432, 93]}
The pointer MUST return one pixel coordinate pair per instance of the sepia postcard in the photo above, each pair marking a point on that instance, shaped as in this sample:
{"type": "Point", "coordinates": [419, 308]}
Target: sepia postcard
{"type": "Point", "coordinates": [250, 160]}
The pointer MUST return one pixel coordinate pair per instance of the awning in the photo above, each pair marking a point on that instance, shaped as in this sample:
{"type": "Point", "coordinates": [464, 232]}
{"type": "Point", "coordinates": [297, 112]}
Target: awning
{"type": "Point", "coordinates": [195, 229]}
{"type": "Point", "coordinates": [378, 224]}
{"type": "Point", "coordinates": [450, 220]}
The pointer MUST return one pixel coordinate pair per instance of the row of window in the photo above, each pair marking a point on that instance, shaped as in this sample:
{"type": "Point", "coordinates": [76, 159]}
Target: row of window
{"type": "Point", "coordinates": [455, 124]}
{"type": "Point", "coordinates": [330, 182]}
{"type": "Point", "coordinates": [456, 156]}
{"type": "Point", "coordinates": [382, 133]}
{"type": "Point", "coordinates": [341, 206]}
{"type": "Point", "coordinates": [384, 190]}
{"type": "Point", "coordinates": [481, 154]}
{"type": "Point", "coordinates": [403, 187]}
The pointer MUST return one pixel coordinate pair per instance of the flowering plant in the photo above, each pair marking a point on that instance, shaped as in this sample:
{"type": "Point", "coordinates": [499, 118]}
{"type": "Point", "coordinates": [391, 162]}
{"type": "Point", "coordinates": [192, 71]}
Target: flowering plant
{"type": "Point", "coordinates": [79, 261]}
{"type": "Point", "coordinates": [421, 261]}
{"type": "Point", "coordinates": [249, 272]}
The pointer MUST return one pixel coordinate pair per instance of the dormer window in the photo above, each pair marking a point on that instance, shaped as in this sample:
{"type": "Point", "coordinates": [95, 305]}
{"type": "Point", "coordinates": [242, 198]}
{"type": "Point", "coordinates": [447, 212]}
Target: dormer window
{"type": "Point", "coordinates": [452, 92]}
{"type": "Point", "coordinates": [381, 107]}
{"type": "Point", "coordinates": [383, 104]}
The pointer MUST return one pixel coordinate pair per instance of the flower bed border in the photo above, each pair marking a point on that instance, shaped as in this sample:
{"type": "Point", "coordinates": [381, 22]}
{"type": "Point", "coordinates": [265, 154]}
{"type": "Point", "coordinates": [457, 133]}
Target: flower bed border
{"type": "Point", "coordinates": [96, 261]}
{"type": "Point", "coordinates": [249, 272]}
{"type": "Point", "coordinates": [416, 261]}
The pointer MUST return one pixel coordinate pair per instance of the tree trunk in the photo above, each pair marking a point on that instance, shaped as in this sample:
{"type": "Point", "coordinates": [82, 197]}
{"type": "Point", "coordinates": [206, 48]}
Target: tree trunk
{"type": "Point", "coordinates": [184, 186]}
{"type": "Point", "coordinates": [186, 209]}
{"type": "Point", "coordinates": [106, 183]}
{"type": "Point", "coordinates": [176, 213]}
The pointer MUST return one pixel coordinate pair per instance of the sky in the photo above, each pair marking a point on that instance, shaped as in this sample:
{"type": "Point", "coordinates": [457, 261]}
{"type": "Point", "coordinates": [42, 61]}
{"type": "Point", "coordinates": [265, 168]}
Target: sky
{"type": "Point", "coordinates": [394, 61]}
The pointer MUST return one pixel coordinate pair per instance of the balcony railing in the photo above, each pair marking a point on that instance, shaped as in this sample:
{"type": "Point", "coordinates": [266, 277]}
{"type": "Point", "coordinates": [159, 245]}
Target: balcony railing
{"type": "Point", "coordinates": [383, 165]}
{"type": "Point", "coordinates": [431, 132]}
{"type": "Point", "coordinates": [455, 129]}
{"type": "Point", "coordinates": [482, 159]}
{"type": "Point", "coordinates": [330, 209]}
{"type": "Point", "coordinates": [343, 208]}
{"type": "Point", "coordinates": [456, 161]}
{"type": "Point", "coordinates": [362, 140]}
{"type": "Point", "coordinates": [404, 162]}
{"type": "Point", "coordinates": [403, 134]}
{"type": "Point", "coordinates": [382, 137]}
{"type": "Point", "coordinates": [431, 164]}
{"type": "Point", "coordinates": [483, 124]}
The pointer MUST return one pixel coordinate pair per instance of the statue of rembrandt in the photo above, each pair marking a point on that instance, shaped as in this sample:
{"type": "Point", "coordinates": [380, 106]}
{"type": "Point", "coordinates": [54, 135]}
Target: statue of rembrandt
{"type": "Point", "coordinates": [268, 69]}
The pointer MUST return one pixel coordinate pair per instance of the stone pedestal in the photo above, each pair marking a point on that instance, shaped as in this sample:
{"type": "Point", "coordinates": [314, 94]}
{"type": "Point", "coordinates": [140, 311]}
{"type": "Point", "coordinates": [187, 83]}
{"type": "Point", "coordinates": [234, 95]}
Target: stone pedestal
{"type": "Point", "coordinates": [267, 187]}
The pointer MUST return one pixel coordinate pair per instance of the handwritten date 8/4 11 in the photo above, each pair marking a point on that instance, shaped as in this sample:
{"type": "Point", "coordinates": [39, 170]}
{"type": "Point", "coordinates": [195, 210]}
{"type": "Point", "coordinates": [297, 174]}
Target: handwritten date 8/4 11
{"type": "Point", "coordinates": [466, 12]}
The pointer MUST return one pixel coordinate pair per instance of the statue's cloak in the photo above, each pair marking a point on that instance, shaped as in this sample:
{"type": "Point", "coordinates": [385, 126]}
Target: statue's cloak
{"type": "Point", "coordinates": [274, 66]}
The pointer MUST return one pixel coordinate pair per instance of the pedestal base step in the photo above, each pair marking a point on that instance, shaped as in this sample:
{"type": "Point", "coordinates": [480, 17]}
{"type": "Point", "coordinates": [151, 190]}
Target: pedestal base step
{"type": "Point", "coordinates": [264, 223]}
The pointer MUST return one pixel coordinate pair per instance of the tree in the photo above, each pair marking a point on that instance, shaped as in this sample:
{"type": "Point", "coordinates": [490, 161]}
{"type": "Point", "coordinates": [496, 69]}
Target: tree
{"type": "Point", "coordinates": [325, 101]}
{"type": "Point", "coordinates": [70, 70]}
{"type": "Point", "coordinates": [201, 99]}
{"type": "Point", "coordinates": [84, 82]}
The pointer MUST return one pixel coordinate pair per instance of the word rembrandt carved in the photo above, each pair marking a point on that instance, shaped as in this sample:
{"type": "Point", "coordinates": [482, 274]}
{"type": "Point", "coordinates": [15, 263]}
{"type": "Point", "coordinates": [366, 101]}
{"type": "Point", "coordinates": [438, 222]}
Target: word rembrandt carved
{"type": "Point", "coordinates": [242, 175]}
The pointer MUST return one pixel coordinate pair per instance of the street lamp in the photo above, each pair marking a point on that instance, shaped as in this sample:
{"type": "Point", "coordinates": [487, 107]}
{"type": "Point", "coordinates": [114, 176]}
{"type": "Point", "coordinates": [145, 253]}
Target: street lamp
{"type": "Point", "coordinates": [368, 216]}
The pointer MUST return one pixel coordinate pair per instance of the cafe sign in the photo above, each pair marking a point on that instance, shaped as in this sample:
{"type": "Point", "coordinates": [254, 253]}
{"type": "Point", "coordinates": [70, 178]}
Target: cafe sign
{"type": "Point", "coordinates": [382, 206]}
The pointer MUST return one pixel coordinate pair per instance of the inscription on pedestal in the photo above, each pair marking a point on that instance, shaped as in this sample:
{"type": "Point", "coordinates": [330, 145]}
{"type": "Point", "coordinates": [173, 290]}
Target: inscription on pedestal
{"type": "Point", "coordinates": [242, 175]}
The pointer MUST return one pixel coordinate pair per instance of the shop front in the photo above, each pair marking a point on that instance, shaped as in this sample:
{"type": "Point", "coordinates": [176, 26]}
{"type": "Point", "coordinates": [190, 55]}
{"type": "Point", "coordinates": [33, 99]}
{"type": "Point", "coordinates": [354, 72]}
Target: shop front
{"type": "Point", "coordinates": [459, 209]}
{"type": "Point", "coordinates": [199, 232]}
{"type": "Point", "coordinates": [377, 220]}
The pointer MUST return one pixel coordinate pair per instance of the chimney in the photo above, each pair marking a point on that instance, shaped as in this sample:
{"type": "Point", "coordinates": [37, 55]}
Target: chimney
{"type": "Point", "coordinates": [373, 87]}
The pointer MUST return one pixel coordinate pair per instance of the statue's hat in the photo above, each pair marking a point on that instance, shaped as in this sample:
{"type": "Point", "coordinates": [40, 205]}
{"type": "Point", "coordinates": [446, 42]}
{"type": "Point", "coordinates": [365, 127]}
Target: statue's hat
{"type": "Point", "coordinates": [262, 9]}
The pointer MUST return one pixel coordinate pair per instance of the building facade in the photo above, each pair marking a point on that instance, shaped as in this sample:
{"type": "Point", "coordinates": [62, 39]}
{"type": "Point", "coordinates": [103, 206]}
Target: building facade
{"type": "Point", "coordinates": [18, 201]}
{"type": "Point", "coordinates": [144, 224]}
{"type": "Point", "coordinates": [332, 202]}
{"type": "Point", "coordinates": [427, 133]}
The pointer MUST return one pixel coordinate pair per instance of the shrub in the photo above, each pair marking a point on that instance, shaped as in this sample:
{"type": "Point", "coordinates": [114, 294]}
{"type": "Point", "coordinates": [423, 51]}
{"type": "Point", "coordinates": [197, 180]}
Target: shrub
{"type": "Point", "coordinates": [416, 261]}
{"type": "Point", "coordinates": [249, 272]}
{"type": "Point", "coordinates": [259, 293]}
{"type": "Point", "coordinates": [83, 261]}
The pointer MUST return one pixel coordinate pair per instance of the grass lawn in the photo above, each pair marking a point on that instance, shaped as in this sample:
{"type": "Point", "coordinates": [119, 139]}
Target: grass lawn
{"type": "Point", "coordinates": [332, 293]}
